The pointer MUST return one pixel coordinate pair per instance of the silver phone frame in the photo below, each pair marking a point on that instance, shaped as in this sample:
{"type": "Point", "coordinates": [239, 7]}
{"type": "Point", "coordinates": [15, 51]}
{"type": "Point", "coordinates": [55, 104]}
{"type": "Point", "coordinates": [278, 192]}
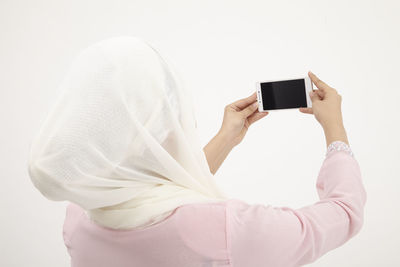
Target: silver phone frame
{"type": "Point", "coordinates": [308, 88]}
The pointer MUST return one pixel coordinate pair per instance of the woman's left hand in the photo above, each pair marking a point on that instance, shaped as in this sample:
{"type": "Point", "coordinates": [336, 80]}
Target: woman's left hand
{"type": "Point", "coordinates": [238, 117]}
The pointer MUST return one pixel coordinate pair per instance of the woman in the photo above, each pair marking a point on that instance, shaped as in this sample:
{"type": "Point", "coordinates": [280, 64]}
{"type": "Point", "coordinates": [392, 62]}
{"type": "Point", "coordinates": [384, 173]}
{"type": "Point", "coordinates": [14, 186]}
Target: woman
{"type": "Point", "coordinates": [121, 145]}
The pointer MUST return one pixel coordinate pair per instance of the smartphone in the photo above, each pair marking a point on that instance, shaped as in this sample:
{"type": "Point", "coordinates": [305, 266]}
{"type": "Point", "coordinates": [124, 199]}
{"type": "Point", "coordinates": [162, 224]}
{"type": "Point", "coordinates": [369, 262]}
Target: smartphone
{"type": "Point", "coordinates": [284, 94]}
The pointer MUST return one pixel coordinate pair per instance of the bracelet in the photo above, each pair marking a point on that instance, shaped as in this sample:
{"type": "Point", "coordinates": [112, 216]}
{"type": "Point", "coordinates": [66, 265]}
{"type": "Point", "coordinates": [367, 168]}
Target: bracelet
{"type": "Point", "coordinates": [339, 146]}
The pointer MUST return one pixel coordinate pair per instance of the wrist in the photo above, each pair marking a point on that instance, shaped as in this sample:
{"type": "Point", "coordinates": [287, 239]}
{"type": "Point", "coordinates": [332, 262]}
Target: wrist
{"type": "Point", "coordinates": [335, 133]}
{"type": "Point", "coordinates": [217, 150]}
{"type": "Point", "coordinates": [226, 139]}
{"type": "Point", "coordinates": [339, 146]}
{"type": "Point", "coordinates": [333, 126]}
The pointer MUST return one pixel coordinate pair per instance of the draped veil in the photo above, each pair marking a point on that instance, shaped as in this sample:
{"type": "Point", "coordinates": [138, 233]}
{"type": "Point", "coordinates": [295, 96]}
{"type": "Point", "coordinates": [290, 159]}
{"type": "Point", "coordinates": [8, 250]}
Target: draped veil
{"type": "Point", "coordinates": [121, 139]}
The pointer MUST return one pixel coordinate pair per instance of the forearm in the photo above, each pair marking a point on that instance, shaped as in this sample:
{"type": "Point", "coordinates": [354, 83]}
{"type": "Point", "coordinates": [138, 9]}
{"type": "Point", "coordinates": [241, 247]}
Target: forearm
{"type": "Point", "coordinates": [217, 150]}
{"type": "Point", "coordinates": [335, 132]}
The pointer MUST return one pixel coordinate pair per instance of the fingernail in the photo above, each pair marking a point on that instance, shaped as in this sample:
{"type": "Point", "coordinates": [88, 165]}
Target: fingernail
{"type": "Point", "coordinates": [311, 72]}
{"type": "Point", "coordinates": [255, 104]}
{"type": "Point", "coordinates": [311, 93]}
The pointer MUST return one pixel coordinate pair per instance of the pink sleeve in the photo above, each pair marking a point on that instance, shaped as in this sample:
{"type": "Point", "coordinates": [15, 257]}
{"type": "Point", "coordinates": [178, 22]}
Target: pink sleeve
{"type": "Point", "coordinates": [261, 235]}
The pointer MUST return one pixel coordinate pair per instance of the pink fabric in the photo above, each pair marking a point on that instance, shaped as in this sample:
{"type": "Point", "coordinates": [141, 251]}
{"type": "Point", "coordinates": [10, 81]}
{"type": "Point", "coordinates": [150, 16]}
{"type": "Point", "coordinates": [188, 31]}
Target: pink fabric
{"type": "Point", "coordinates": [230, 233]}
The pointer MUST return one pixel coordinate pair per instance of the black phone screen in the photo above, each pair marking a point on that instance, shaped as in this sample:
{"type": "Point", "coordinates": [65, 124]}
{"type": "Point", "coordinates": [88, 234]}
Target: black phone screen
{"type": "Point", "coordinates": [283, 94]}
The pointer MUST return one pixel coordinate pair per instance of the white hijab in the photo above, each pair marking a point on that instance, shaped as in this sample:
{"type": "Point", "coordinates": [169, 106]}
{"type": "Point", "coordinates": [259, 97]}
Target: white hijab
{"type": "Point", "coordinates": [121, 140]}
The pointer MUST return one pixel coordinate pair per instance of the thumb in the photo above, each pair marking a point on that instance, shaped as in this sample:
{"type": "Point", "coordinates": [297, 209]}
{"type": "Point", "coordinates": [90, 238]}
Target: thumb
{"type": "Point", "coordinates": [249, 109]}
{"type": "Point", "coordinates": [314, 96]}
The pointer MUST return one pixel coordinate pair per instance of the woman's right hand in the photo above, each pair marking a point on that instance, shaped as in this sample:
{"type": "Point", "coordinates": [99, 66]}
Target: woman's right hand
{"type": "Point", "coordinates": [326, 107]}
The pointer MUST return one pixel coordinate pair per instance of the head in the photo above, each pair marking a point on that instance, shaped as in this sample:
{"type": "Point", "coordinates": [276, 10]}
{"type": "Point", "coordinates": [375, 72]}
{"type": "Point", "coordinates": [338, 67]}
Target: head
{"type": "Point", "coordinates": [123, 124]}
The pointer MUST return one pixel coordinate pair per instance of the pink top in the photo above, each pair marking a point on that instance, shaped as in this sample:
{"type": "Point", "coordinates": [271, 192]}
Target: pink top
{"type": "Point", "coordinates": [231, 233]}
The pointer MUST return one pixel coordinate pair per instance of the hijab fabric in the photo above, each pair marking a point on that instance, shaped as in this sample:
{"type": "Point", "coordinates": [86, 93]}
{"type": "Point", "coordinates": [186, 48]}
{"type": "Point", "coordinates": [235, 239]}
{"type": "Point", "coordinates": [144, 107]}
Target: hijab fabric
{"type": "Point", "coordinates": [121, 139]}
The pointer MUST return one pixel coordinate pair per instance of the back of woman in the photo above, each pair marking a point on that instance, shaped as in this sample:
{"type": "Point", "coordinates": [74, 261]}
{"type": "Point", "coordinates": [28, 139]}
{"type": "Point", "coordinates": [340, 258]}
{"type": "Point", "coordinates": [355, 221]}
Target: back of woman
{"type": "Point", "coordinates": [121, 146]}
{"type": "Point", "coordinates": [193, 235]}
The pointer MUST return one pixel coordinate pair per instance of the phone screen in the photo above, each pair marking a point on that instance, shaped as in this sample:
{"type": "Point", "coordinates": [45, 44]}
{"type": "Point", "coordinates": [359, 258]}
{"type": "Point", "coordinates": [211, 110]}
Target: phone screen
{"type": "Point", "coordinates": [283, 94]}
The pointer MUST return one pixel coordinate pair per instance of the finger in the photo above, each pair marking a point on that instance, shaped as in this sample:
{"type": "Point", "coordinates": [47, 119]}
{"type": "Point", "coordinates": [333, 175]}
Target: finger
{"type": "Point", "coordinates": [320, 84]}
{"type": "Point", "coordinates": [244, 102]}
{"type": "Point", "coordinates": [256, 116]}
{"type": "Point", "coordinates": [320, 93]}
{"type": "Point", "coordinates": [250, 109]}
{"type": "Point", "coordinates": [314, 96]}
{"type": "Point", "coordinates": [306, 110]}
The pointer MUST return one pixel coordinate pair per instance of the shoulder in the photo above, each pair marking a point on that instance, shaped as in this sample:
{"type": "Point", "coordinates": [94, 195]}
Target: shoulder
{"type": "Point", "coordinates": [202, 227]}
{"type": "Point", "coordinates": [73, 213]}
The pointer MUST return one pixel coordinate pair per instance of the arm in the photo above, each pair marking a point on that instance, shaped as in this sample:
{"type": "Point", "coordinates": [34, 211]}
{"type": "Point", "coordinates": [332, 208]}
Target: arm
{"type": "Point", "coordinates": [262, 235]}
{"type": "Point", "coordinates": [326, 107]}
{"type": "Point", "coordinates": [282, 236]}
{"type": "Point", "coordinates": [336, 218]}
{"type": "Point", "coordinates": [338, 215]}
{"type": "Point", "coordinates": [238, 117]}
{"type": "Point", "coordinates": [217, 150]}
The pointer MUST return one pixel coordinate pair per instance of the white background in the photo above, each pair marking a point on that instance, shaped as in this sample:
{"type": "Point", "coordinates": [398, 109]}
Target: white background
{"type": "Point", "coordinates": [220, 48]}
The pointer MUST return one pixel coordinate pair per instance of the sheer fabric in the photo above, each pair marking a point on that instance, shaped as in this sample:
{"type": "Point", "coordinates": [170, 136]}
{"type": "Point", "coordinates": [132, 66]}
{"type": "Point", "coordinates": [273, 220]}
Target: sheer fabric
{"type": "Point", "coordinates": [121, 141]}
